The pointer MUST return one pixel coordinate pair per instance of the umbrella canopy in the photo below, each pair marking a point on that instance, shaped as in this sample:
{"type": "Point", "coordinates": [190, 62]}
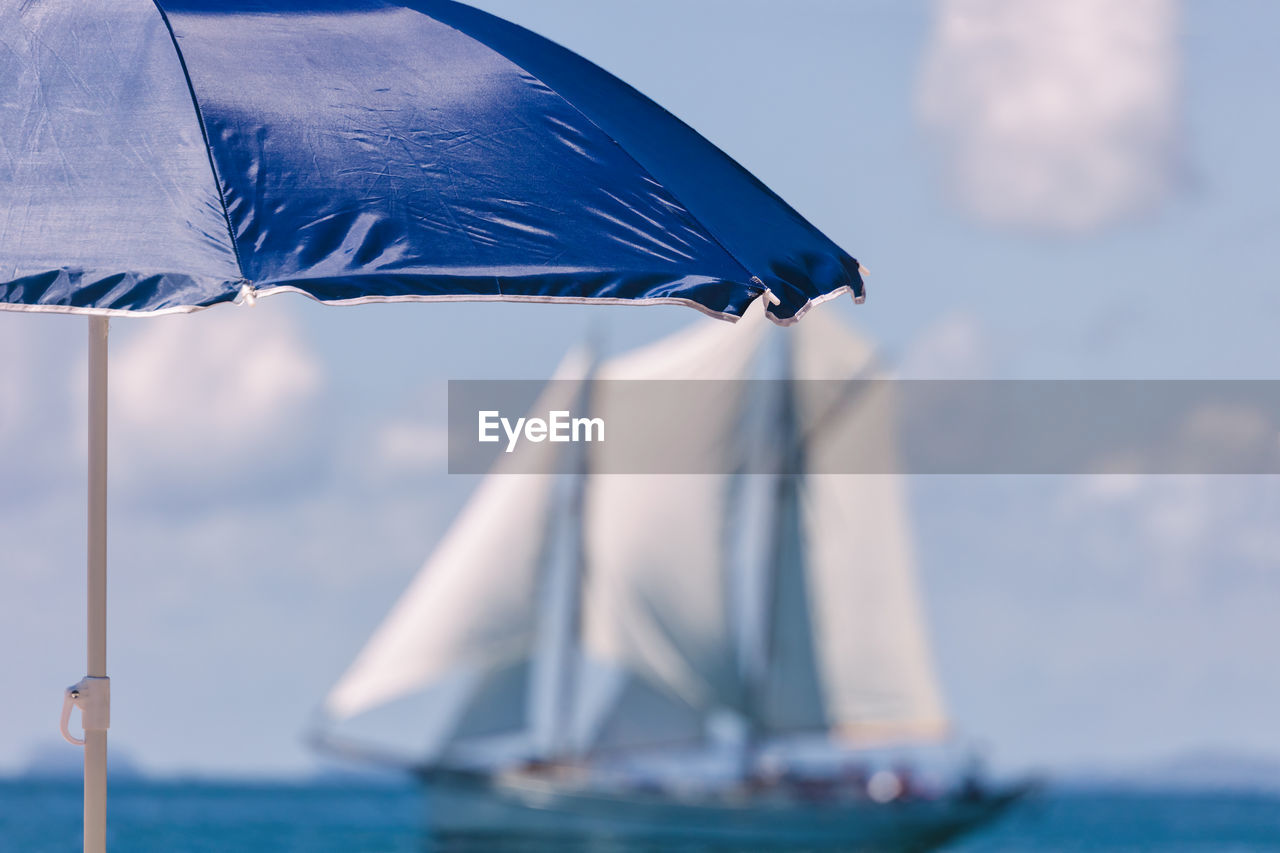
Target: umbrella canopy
{"type": "Point", "coordinates": [162, 157]}
{"type": "Point", "coordinates": [170, 156]}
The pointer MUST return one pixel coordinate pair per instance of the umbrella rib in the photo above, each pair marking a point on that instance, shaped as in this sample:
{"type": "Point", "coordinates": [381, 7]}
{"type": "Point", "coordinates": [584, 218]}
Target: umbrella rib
{"type": "Point", "coordinates": [204, 134]}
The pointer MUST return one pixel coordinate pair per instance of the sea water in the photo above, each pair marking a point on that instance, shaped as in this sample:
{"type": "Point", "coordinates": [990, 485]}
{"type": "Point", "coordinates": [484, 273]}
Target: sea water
{"type": "Point", "coordinates": [171, 817]}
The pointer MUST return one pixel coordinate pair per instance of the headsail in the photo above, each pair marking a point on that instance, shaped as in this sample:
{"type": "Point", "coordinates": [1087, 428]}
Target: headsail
{"type": "Point", "coordinates": [470, 605]}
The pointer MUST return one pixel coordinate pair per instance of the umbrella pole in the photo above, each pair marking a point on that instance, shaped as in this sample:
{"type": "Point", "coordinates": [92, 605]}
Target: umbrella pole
{"type": "Point", "coordinates": [95, 724]}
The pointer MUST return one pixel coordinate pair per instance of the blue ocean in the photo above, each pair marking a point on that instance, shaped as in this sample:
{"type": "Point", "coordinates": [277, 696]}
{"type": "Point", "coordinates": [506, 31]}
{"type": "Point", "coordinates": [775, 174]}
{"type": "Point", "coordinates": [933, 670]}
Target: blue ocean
{"type": "Point", "coordinates": [147, 817]}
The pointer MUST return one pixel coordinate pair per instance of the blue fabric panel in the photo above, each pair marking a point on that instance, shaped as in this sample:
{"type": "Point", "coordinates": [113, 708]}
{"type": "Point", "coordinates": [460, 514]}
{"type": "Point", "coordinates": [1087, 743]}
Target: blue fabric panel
{"type": "Point", "coordinates": [402, 148]}
{"type": "Point", "coordinates": [106, 192]}
{"type": "Point", "coordinates": [762, 231]}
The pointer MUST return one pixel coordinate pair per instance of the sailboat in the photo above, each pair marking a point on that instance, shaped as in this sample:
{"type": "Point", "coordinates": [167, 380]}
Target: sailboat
{"type": "Point", "coordinates": [632, 656]}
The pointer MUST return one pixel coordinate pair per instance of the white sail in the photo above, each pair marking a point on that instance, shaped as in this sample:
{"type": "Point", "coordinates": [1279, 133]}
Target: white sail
{"type": "Point", "coordinates": [868, 632]}
{"type": "Point", "coordinates": [656, 601]}
{"type": "Point", "coordinates": [791, 695]}
{"type": "Point", "coordinates": [470, 605]}
{"type": "Point", "coordinates": [654, 622]}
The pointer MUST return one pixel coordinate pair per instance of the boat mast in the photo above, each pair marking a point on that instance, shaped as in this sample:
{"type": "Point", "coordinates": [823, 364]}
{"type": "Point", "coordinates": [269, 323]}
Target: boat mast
{"type": "Point", "coordinates": [783, 441]}
{"type": "Point", "coordinates": [568, 633]}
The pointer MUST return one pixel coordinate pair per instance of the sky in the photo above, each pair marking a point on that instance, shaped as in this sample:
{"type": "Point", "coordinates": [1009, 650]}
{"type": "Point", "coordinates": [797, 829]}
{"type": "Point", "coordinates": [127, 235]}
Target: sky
{"type": "Point", "coordinates": [1040, 189]}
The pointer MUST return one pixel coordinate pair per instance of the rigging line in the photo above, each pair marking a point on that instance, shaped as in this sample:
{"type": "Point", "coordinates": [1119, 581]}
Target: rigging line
{"type": "Point", "coordinates": [854, 388]}
{"type": "Point", "coordinates": [204, 134]}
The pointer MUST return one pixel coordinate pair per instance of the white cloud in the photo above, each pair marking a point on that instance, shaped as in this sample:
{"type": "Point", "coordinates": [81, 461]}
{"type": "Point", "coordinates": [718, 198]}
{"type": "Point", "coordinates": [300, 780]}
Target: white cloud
{"type": "Point", "coordinates": [40, 353]}
{"type": "Point", "coordinates": [13, 392]}
{"type": "Point", "coordinates": [1186, 529]}
{"type": "Point", "coordinates": [408, 447]}
{"type": "Point", "coordinates": [1055, 114]}
{"type": "Point", "coordinates": [209, 396]}
{"type": "Point", "coordinates": [954, 348]}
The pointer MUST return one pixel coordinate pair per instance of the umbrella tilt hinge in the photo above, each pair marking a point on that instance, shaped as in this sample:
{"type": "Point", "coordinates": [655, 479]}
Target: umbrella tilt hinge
{"type": "Point", "coordinates": [92, 695]}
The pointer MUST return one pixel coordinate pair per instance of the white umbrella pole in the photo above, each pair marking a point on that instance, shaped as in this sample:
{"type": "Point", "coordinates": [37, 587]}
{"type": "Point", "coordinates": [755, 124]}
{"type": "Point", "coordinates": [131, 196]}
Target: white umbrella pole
{"type": "Point", "coordinates": [95, 692]}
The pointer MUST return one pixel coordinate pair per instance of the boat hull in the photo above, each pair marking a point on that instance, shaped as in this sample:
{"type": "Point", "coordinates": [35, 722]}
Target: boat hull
{"type": "Point", "coordinates": [530, 810]}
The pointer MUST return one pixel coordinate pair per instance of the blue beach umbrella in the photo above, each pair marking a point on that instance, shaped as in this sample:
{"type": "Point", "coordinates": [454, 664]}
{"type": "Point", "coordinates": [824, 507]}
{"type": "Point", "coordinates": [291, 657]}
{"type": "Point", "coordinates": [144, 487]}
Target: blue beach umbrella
{"type": "Point", "coordinates": [165, 157]}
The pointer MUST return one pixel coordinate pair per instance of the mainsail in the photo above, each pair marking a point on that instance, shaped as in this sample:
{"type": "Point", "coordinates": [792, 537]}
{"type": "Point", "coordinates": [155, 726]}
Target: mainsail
{"type": "Point", "coordinates": [645, 635]}
{"type": "Point", "coordinates": [657, 551]}
{"type": "Point", "coordinates": [850, 650]}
